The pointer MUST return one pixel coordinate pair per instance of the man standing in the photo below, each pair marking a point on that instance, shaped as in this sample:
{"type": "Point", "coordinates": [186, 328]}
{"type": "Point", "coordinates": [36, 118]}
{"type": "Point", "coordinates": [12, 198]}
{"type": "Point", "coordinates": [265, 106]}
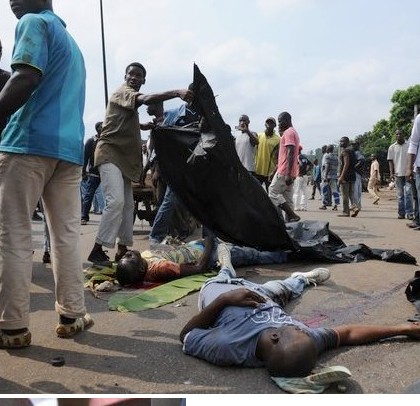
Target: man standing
{"type": "Point", "coordinates": [41, 154]}
{"type": "Point", "coordinates": [300, 200]}
{"type": "Point", "coordinates": [281, 187]}
{"type": "Point", "coordinates": [413, 167]}
{"type": "Point", "coordinates": [90, 174]}
{"type": "Point", "coordinates": [347, 177]}
{"type": "Point", "coordinates": [397, 161]}
{"type": "Point", "coordinates": [329, 179]}
{"type": "Point", "coordinates": [359, 168]}
{"type": "Point", "coordinates": [374, 179]}
{"type": "Point", "coordinates": [245, 143]}
{"type": "Point", "coordinates": [266, 159]}
{"type": "Point", "coordinates": [118, 156]}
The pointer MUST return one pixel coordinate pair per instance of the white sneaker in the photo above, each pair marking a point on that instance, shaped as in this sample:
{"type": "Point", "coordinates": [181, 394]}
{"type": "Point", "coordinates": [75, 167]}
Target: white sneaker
{"type": "Point", "coordinates": [223, 255]}
{"type": "Point", "coordinates": [316, 276]}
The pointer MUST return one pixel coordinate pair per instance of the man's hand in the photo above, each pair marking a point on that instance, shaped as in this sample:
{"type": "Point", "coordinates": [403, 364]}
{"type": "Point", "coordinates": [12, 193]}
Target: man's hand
{"type": "Point", "coordinates": [186, 95]}
{"type": "Point", "coordinates": [242, 297]}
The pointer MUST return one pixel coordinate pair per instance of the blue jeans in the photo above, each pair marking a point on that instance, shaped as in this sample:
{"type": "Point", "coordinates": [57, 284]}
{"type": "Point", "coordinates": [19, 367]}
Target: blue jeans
{"type": "Point", "coordinates": [246, 256]}
{"type": "Point", "coordinates": [92, 184]}
{"type": "Point", "coordinates": [162, 222]}
{"type": "Point", "coordinates": [404, 196]}
{"type": "Point", "coordinates": [330, 190]}
{"type": "Point", "coordinates": [279, 291]}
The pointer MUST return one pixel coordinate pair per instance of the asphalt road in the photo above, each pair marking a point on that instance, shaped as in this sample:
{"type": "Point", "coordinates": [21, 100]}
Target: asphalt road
{"type": "Point", "coordinates": [139, 353]}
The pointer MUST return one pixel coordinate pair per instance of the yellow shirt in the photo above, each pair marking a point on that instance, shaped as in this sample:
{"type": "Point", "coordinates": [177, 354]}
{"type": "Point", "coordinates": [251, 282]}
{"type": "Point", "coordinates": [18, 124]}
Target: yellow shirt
{"type": "Point", "coordinates": [264, 161]}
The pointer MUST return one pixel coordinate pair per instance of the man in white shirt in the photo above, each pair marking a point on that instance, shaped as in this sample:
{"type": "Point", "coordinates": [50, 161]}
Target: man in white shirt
{"type": "Point", "coordinates": [245, 143]}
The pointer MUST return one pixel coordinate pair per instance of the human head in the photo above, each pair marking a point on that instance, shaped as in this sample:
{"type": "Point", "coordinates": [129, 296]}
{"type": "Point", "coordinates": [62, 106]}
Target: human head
{"type": "Point", "coordinates": [270, 125]}
{"type": "Point", "coordinates": [285, 121]}
{"type": "Point", "coordinates": [330, 148]}
{"type": "Point", "coordinates": [135, 75]}
{"type": "Point", "coordinates": [98, 127]}
{"type": "Point", "coordinates": [373, 157]}
{"type": "Point", "coordinates": [131, 268]}
{"type": "Point", "coordinates": [244, 119]}
{"type": "Point", "coordinates": [344, 142]}
{"type": "Point", "coordinates": [155, 109]}
{"type": "Point", "coordinates": [22, 7]}
{"type": "Point", "coordinates": [400, 136]}
{"type": "Point", "coordinates": [324, 149]}
{"type": "Point", "coordinates": [288, 351]}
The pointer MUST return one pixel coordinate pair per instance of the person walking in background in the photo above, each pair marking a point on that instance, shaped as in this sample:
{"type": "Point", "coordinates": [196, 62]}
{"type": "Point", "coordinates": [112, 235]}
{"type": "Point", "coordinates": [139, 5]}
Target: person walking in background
{"type": "Point", "coordinates": [316, 179]}
{"type": "Point", "coordinates": [397, 161]}
{"type": "Point", "coordinates": [359, 168]}
{"type": "Point", "coordinates": [329, 185]}
{"type": "Point", "coordinates": [266, 159]}
{"type": "Point", "coordinates": [4, 77]}
{"type": "Point", "coordinates": [90, 174]}
{"type": "Point", "coordinates": [374, 179]}
{"type": "Point", "coordinates": [347, 177]}
{"type": "Point", "coordinates": [245, 144]}
{"type": "Point", "coordinates": [280, 190]}
{"type": "Point", "coordinates": [300, 200]}
{"type": "Point", "coordinates": [118, 157]}
{"type": "Point", "coordinates": [41, 155]}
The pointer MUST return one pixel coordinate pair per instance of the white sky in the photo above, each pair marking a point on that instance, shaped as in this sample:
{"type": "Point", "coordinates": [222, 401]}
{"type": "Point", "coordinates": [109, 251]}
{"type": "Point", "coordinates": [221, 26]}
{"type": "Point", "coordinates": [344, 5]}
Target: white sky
{"type": "Point", "coordinates": [333, 64]}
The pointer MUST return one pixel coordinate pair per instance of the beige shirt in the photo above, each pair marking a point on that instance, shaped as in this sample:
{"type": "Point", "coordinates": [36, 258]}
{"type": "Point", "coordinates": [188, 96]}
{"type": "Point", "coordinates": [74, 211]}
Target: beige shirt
{"type": "Point", "coordinates": [120, 140]}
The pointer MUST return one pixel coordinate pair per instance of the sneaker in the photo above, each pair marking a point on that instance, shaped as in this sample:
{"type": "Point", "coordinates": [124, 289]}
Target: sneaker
{"type": "Point", "coordinates": [223, 255]}
{"type": "Point", "coordinates": [69, 330]}
{"type": "Point", "coordinates": [120, 254]}
{"type": "Point", "coordinates": [355, 212]}
{"type": "Point", "coordinates": [99, 257]}
{"type": "Point", "coordinates": [376, 200]}
{"type": "Point", "coordinates": [83, 222]}
{"type": "Point", "coordinates": [21, 340]}
{"type": "Point", "coordinates": [334, 207]}
{"type": "Point", "coordinates": [323, 207]}
{"type": "Point", "coordinates": [315, 277]}
{"type": "Point", "coordinates": [401, 216]}
{"type": "Point", "coordinates": [46, 259]}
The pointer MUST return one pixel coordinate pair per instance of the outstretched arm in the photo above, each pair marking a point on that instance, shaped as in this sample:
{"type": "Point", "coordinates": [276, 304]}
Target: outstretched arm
{"type": "Point", "coordinates": [184, 94]}
{"type": "Point", "coordinates": [203, 262]}
{"type": "Point", "coordinates": [207, 317]}
{"type": "Point", "coordinates": [356, 334]}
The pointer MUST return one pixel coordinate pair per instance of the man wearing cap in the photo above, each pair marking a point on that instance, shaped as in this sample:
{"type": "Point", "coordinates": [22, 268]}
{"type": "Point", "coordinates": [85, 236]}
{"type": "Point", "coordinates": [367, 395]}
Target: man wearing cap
{"type": "Point", "coordinates": [245, 143]}
{"type": "Point", "coordinates": [267, 151]}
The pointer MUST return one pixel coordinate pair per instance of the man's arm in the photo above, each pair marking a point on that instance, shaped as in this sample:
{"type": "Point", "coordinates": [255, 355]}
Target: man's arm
{"type": "Point", "coordinates": [253, 137]}
{"type": "Point", "coordinates": [18, 89]}
{"type": "Point", "coordinates": [355, 334]}
{"type": "Point", "coordinates": [184, 94]}
{"type": "Point", "coordinates": [290, 151]}
{"type": "Point", "coordinates": [344, 169]}
{"type": "Point", "coordinates": [207, 317]}
{"type": "Point", "coordinates": [203, 262]}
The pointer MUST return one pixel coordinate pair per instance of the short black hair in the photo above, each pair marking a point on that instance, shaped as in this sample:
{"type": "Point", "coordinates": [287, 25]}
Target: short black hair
{"type": "Point", "coordinates": [130, 272]}
{"type": "Point", "coordinates": [138, 65]}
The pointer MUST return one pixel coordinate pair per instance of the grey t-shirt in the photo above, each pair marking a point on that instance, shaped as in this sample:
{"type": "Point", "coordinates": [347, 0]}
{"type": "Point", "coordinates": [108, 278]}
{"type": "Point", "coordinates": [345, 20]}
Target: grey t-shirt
{"type": "Point", "coordinates": [232, 340]}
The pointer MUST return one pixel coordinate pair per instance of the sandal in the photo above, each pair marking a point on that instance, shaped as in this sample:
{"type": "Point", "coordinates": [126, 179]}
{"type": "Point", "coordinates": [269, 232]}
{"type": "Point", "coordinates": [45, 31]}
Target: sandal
{"type": "Point", "coordinates": [21, 340]}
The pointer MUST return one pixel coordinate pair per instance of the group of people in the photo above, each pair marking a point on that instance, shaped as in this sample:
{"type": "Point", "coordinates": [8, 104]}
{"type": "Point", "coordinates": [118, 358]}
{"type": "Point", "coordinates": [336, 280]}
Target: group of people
{"type": "Point", "coordinates": [41, 157]}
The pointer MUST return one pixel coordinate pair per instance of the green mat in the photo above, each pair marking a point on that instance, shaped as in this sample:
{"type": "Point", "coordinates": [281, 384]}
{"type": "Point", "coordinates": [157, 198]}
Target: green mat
{"type": "Point", "coordinates": [159, 296]}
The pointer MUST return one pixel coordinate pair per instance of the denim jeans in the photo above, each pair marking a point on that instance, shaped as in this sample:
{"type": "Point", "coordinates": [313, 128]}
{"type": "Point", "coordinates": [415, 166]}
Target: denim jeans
{"type": "Point", "coordinates": [92, 184]}
{"type": "Point", "coordinates": [246, 256]}
{"type": "Point", "coordinates": [404, 196]}
{"type": "Point", "coordinates": [117, 218]}
{"type": "Point", "coordinates": [162, 222]}
{"type": "Point", "coordinates": [357, 191]}
{"type": "Point", "coordinates": [329, 192]}
{"type": "Point", "coordinates": [279, 291]}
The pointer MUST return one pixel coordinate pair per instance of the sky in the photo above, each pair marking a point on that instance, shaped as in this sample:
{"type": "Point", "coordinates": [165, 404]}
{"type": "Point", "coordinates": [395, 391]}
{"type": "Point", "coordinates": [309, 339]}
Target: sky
{"type": "Point", "coordinates": [332, 64]}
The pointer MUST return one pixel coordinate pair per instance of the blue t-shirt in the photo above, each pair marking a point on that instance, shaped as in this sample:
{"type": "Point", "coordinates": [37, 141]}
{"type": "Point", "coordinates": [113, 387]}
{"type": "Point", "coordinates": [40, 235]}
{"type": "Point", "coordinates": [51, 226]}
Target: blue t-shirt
{"type": "Point", "coordinates": [50, 123]}
{"type": "Point", "coordinates": [232, 340]}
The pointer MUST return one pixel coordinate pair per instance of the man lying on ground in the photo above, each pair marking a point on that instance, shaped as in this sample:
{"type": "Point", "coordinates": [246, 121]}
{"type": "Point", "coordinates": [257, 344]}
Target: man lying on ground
{"type": "Point", "coordinates": [164, 263]}
{"type": "Point", "coordinates": [244, 324]}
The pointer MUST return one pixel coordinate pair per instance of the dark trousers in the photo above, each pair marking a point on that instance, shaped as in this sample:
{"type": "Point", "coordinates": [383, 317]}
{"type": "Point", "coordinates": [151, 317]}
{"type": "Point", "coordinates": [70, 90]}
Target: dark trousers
{"type": "Point", "coordinates": [92, 184]}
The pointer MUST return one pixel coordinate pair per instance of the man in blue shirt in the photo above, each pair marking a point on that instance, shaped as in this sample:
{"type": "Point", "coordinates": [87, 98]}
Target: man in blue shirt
{"type": "Point", "coordinates": [41, 154]}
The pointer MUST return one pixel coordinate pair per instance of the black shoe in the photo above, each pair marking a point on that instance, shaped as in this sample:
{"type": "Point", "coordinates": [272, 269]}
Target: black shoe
{"type": "Point", "coordinates": [412, 225]}
{"type": "Point", "coordinates": [120, 254]}
{"type": "Point", "coordinates": [99, 257]}
{"type": "Point", "coordinates": [46, 259]}
{"type": "Point", "coordinates": [401, 216]}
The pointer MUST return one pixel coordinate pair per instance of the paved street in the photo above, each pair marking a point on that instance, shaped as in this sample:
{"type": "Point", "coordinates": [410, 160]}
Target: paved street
{"type": "Point", "coordinates": [139, 353]}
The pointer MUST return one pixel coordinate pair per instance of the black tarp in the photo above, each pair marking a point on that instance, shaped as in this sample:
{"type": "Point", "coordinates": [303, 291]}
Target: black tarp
{"type": "Point", "coordinates": [205, 172]}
